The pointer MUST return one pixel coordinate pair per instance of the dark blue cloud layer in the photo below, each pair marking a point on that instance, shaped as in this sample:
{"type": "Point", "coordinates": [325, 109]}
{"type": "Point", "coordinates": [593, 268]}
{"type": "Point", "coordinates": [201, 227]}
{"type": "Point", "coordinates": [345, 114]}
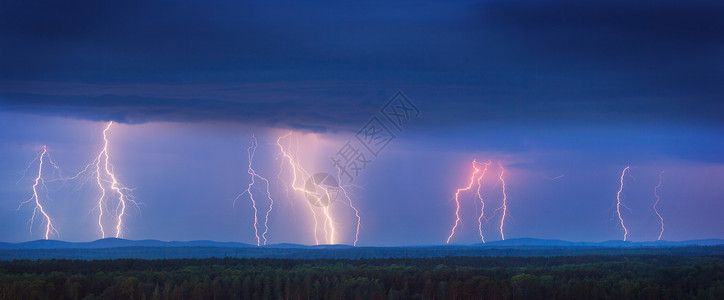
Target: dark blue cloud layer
{"type": "Point", "coordinates": [485, 62]}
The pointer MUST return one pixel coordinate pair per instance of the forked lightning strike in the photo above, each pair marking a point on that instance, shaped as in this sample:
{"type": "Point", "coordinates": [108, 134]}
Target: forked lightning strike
{"type": "Point", "coordinates": [656, 193]}
{"type": "Point", "coordinates": [252, 173]}
{"type": "Point", "coordinates": [479, 196]}
{"type": "Point", "coordinates": [351, 205]}
{"type": "Point", "coordinates": [298, 170]}
{"type": "Point", "coordinates": [618, 203]}
{"type": "Point", "coordinates": [504, 207]}
{"type": "Point", "coordinates": [121, 191]}
{"type": "Point", "coordinates": [328, 225]}
{"type": "Point", "coordinates": [457, 200]}
{"type": "Point", "coordinates": [103, 170]}
{"type": "Point", "coordinates": [482, 203]}
{"type": "Point", "coordinates": [40, 182]}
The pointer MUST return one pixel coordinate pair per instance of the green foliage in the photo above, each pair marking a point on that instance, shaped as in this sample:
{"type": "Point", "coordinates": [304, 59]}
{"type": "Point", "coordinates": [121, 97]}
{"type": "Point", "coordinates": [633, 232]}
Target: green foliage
{"type": "Point", "coordinates": [578, 277]}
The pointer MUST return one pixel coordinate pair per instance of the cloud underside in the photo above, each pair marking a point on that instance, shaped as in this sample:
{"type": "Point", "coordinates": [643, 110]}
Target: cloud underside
{"type": "Point", "coordinates": [323, 65]}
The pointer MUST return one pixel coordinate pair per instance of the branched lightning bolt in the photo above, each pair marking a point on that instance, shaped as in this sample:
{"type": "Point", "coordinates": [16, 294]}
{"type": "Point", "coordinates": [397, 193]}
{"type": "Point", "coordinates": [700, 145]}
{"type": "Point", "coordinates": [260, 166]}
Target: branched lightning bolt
{"type": "Point", "coordinates": [252, 173]}
{"type": "Point", "coordinates": [103, 171]}
{"type": "Point", "coordinates": [266, 216]}
{"type": "Point", "coordinates": [100, 206]}
{"type": "Point", "coordinates": [250, 151]}
{"type": "Point", "coordinates": [349, 202]}
{"type": "Point", "coordinates": [329, 221]}
{"type": "Point", "coordinates": [618, 203]}
{"type": "Point", "coordinates": [457, 200]}
{"type": "Point", "coordinates": [298, 170]}
{"type": "Point", "coordinates": [121, 190]}
{"type": "Point", "coordinates": [40, 182]}
{"type": "Point", "coordinates": [504, 207]}
{"type": "Point", "coordinates": [356, 212]}
{"type": "Point", "coordinates": [656, 189]}
{"type": "Point", "coordinates": [480, 197]}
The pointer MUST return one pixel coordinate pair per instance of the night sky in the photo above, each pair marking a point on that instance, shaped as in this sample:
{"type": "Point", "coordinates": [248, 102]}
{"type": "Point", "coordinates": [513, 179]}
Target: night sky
{"type": "Point", "coordinates": [562, 94]}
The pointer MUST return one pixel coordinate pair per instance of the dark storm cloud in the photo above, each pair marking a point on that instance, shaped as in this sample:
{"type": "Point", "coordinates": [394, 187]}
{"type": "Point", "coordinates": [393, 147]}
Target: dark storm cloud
{"type": "Point", "coordinates": [328, 64]}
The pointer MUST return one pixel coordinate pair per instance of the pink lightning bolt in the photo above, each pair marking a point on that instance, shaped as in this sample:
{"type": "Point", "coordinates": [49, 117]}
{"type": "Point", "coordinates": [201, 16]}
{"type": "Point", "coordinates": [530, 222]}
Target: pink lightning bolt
{"type": "Point", "coordinates": [39, 181]}
{"type": "Point", "coordinates": [252, 173]}
{"type": "Point", "coordinates": [457, 200]}
{"type": "Point", "coordinates": [480, 197]}
{"type": "Point", "coordinates": [656, 189]}
{"type": "Point", "coordinates": [618, 203]}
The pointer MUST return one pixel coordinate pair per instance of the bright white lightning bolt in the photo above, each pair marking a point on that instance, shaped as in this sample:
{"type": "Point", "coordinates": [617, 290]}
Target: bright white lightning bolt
{"type": "Point", "coordinates": [298, 170]}
{"type": "Point", "coordinates": [480, 197]}
{"type": "Point", "coordinates": [103, 170]}
{"type": "Point", "coordinates": [656, 189]}
{"type": "Point", "coordinates": [120, 190]}
{"type": "Point", "coordinates": [252, 173]}
{"type": "Point", "coordinates": [100, 206]}
{"type": "Point", "coordinates": [349, 202]}
{"type": "Point", "coordinates": [39, 181]}
{"type": "Point", "coordinates": [618, 203]}
{"type": "Point", "coordinates": [329, 221]}
{"type": "Point", "coordinates": [116, 186]}
{"type": "Point", "coordinates": [505, 202]}
{"type": "Point", "coordinates": [457, 200]}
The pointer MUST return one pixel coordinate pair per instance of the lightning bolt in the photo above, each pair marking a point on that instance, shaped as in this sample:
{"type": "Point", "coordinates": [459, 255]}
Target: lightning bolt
{"type": "Point", "coordinates": [480, 197]}
{"type": "Point", "coordinates": [104, 176]}
{"type": "Point", "coordinates": [116, 186]}
{"type": "Point", "coordinates": [618, 203]}
{"type": "Point", "coordinates": [504, 207]}
{"type": "Point", "coordinates": [39, 209]}
{"type": "Point", "coordinates": [328, 219]}
{"type": "Point", "coordinates": [252, 173]}
{"type": "Point", "coordinates": [457, 200]}
{"type": "Point", "coordinates": [100, 206]}
{"type": "Point", "coordinates": [349, 202]}
{"type": "Point", "coordinates": [555, 178]}
{"type": "Point", "coordinates": [297, 171]}
{"type": "Point", "coordinates": [656, 189]}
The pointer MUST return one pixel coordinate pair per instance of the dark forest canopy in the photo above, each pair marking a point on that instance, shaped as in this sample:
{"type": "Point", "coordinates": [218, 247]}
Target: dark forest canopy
{"type": "Point", "coordinates": [579, 277]}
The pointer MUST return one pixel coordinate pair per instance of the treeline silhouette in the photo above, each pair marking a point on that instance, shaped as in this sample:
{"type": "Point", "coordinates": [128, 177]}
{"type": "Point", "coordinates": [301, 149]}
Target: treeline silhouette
{"type": "Point", "coordinates": [576, 277]}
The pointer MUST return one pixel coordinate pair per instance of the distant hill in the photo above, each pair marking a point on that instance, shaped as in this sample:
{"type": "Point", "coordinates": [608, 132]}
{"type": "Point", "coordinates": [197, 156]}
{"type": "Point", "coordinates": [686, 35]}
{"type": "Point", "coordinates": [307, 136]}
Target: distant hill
{"type": "Point", "coordinates": [120, 243]}
{"type": "Point", "coordinates": [349, 252]}
{"type": "Point", "coordinates": [292, 246]}
{"type": "Point", "coordinates": [113, 248]}
{"type": "Point", "coordinates": [613, 243]}
{"type": "Point", "coordinates": [116, 243]}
